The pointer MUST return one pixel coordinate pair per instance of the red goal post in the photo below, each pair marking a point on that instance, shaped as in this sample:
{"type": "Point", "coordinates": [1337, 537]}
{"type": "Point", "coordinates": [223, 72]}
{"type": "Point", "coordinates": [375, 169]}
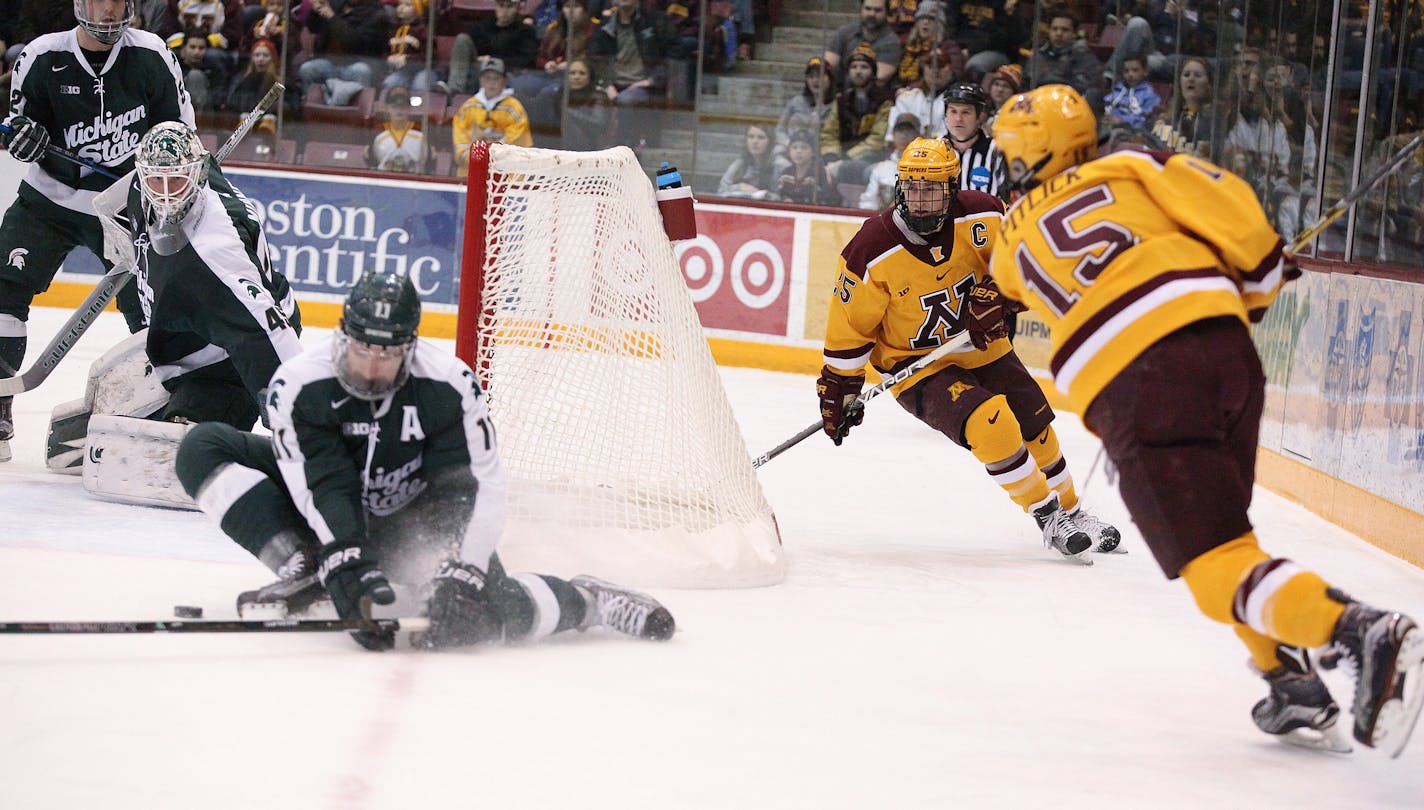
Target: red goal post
{"type": "Point", "coordinates": [621, 450]}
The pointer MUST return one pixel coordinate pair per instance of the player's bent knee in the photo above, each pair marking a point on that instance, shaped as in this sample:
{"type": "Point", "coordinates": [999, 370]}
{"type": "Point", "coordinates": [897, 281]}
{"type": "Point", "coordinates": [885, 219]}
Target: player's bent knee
{"type": "Point", "coordinates": [1215, 576]}
{"type": "Point", "coordinates": [992, 430]}
{"type": "Point", "coordinates": [205, 448]}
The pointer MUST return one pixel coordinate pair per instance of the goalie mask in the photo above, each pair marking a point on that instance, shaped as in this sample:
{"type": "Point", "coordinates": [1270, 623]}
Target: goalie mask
{"type": "Point", "coordinates": [927, 180]}
{"type": "Point", "coordinates": [106, 31]}
{"type": "Point", "coordinates": [1044, 132]}
{"type": "Point", "coordinates": [172, 169]}
{"type": "Point", "coordinates": [377, 337]}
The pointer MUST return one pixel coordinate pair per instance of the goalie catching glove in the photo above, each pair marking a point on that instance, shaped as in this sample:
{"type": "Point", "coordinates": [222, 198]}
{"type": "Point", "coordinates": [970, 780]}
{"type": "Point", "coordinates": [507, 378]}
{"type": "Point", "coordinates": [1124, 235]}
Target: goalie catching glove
{"type": "Point", "coordinates": [355, 583]}
{"type": "Point", "coordinates": [26, 140]}
{"type": "Point", "coordinates": [985, 313]}
{"type": "Point", "coordinates": [839, 409]}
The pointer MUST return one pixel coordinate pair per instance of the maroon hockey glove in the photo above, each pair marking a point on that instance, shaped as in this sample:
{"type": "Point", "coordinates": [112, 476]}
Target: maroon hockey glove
{"type": "Point", "coordinates": [839, 409]}
{"type": "Point", "coordinates": [984, 313]}
{"type": "Point", "coordinates": [1289, 267]}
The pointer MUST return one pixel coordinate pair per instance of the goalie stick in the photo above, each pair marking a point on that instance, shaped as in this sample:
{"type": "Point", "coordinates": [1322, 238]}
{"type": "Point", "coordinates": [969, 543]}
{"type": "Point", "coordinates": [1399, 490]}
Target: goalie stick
{"type": "Point", "coordinates": [868, 394]}
{"type": "Point", "coordinates": [216, 626]}
{"type": "Point", "coordinates": [113, 281]}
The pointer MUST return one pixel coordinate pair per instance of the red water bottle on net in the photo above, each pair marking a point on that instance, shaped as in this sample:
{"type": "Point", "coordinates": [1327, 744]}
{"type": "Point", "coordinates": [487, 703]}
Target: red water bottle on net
{"type": "Point", "coordinates": [675, 204]}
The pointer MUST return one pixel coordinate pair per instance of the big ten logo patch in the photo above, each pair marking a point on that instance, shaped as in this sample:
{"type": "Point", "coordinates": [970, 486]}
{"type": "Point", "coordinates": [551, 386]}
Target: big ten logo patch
{"type": "Point", "coordinates": [738, 270]}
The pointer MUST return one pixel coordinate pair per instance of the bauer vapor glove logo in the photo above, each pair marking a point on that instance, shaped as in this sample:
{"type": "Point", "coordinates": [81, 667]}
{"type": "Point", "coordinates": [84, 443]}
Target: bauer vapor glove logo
{"type": "Point", "coordinates": [340, 558]}
{"type": "Point", "coordinates": [17, 258]}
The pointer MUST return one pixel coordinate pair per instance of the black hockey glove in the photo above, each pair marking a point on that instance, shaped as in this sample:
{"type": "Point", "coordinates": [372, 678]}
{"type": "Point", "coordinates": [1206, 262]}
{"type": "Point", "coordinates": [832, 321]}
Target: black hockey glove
{"type": "Point", "coordinates": [839, 409]}
{"type": "Point", "coordinates": [459, 610]}
{"type": "Point", "coordinates": [985, 314]}
{"type": "Point", "coordinates": [26, 140]}
{"type": "Point", "coordinates": [355, 582]}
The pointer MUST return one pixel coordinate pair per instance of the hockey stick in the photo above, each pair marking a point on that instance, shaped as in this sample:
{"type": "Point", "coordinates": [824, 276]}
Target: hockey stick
{"type": "Point", "coordinates": [113, 281]}
{"type": "Point", "coordinates": [59, 151]}
{"type": "Point", "coordinates": [216, 626]}
{"type": "Point", "coordinates": [1356, 194]}
{"type": "Point", "coordinates": [868, 394]}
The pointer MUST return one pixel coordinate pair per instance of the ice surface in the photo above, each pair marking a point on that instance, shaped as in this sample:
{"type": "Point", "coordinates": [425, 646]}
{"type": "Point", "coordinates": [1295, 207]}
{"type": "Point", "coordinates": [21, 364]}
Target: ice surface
{"type": "Point", "coordinates": [924, 651]}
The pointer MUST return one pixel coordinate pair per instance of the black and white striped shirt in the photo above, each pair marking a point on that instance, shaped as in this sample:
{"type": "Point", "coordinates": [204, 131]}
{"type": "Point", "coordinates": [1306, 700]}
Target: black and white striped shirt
{"type": "Point", "coordinates": [981, 167]}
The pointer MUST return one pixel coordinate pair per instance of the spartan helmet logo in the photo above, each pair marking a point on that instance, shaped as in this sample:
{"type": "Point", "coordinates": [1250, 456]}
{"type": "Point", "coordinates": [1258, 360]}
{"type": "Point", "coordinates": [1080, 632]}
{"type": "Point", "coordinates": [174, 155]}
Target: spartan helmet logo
{"type": "Point", "coordinates": [17, 258]}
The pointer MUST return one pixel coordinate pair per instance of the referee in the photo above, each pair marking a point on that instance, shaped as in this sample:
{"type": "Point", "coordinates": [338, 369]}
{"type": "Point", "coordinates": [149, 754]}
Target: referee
{"type": "Point", "coordinates": [981, 166]}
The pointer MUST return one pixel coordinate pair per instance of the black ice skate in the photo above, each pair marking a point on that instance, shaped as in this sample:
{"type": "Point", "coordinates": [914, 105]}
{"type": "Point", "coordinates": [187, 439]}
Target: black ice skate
{"type": "Point", "coordinates": [1384, 651]}
{"type": "Point", "coordinates": [7, 426]}
{"type": "Point", "coordinates": [296, 592]}
{"type": "Point", "coordinates": [1061, 533]}
{"type": "Point", "coordinates": [1105, 536]}
{"type": "Point", "coordinates": [1299, 709]}
{"type": "Point", "coordinates": [623, 610]}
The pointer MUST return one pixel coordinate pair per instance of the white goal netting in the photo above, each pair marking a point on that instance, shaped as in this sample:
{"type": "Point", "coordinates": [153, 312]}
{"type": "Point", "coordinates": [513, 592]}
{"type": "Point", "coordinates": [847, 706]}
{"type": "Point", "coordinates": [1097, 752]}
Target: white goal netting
{"type": "Point", "coordinates": [623, 456]}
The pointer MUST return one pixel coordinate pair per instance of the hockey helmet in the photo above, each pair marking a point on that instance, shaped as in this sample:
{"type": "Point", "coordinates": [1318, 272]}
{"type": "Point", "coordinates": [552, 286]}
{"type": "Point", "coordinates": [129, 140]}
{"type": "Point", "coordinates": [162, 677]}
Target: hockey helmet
{"type": "Point", "coordinates": [967, 93]}
{"type": "Point", "coordinates": [377, 335]}
{"type": "Point", "coordinates": [172, 169]}
{"type": "Point", "coordinates": [107, 32]}
{"type": "Point", "coordinates": [1043, 132]}
{"type": "Point", "coordinates": [928, 171]}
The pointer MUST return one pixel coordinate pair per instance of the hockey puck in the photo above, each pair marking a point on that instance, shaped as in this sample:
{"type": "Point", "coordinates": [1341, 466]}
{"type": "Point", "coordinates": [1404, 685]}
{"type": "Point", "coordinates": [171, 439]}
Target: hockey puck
{"type": "Point", "coordinates": [187, 612]}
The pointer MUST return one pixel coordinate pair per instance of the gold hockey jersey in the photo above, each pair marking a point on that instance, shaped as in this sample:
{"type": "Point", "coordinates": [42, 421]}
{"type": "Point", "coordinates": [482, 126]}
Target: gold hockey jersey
{"type": "Point", "coordinates": [1122, 251]}
{"type": "Point", "coordinates": [898, 296]}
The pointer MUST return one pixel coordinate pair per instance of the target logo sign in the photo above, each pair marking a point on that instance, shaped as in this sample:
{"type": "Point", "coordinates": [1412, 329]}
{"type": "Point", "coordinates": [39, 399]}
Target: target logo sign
{"type": "Point", "coordinates": [738, 270]}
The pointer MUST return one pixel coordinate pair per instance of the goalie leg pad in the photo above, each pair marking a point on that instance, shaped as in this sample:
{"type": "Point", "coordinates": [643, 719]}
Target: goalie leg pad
{"type": "Point", "coordinates": [121, 382]}
{"type": "Point", "coordinates": [132, 461]}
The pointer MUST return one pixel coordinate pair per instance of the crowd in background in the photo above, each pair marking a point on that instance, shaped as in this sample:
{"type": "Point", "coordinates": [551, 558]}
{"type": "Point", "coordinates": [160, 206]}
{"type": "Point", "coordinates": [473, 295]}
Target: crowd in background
{"type": "Point", "coordinates": [1248, 85]}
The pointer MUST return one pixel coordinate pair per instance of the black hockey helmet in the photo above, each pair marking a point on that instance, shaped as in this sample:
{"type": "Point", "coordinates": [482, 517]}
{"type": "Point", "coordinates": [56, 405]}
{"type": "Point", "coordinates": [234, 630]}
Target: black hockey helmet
{"type": "Point", "coordinates": [382, 309]}
{"type": "Point", "coordinates": [967, 93]}
{"type": "Point", "coordinates": [372, 352]}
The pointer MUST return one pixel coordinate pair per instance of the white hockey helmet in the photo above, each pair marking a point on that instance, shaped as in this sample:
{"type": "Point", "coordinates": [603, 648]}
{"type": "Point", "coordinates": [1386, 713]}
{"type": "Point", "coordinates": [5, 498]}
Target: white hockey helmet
{"type": "Point", "coordinates": [172, 168]}
{"type": "Point", "coordinates": [107, 32]}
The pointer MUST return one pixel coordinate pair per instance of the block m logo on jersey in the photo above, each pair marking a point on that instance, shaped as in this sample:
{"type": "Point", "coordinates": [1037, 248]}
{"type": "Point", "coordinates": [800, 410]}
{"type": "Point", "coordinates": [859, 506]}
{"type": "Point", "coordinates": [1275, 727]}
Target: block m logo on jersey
{"type": "Point", "coordinates": [941, 314]}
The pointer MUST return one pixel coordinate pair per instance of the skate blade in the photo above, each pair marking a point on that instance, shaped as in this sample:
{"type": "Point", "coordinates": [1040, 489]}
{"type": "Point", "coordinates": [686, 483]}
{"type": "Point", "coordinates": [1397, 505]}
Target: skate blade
{"type": "Point", "coordinates": [1329, 739]}
{"type": "Point", "coordinates": [1081, 558]}
{"type": "Point", "coordinates": [262, 611]}
{"type": "Point", "coordinates": [5, 451]}
{"type": "Point", "coordinates": [1397, 717]}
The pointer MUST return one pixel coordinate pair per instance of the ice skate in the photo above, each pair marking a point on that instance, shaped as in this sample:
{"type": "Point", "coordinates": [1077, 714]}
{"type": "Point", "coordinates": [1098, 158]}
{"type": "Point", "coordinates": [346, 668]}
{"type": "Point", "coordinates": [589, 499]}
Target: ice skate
{"type": "Point", "coordinates": [1061, 533]}
{"type": "Point", "coordinates": [1299, 710]}
{"type": "Point", "coordinates": [7, 426]}
{"type": "Point", "coordinates": [623, 610]}
{"type": "Point", "coordinates": [1105, 536]}
{"type": "Point", "coordinates": [295, 593]}
{"type": "Point", "coordinates": [1384, 651]}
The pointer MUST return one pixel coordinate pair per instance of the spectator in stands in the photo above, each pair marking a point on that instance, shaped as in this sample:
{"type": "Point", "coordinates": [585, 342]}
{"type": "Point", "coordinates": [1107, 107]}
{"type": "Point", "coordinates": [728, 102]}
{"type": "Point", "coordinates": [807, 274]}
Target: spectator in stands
{"type": "Point", "coordinates": [349, 42]}
{"type": "Point", "coordinates": [900, 16]}
{"type": "Point", "coordinates": [508, 35]}
{"type": "Point", "coordinates": [853, 136]}
{"type": "Point", "coordinates": [1258, 149]}
{"type": "Point", "coordinates": [399, 146]}
{"type": "Point", "coordinates": [924, 99]}
{"type": "Point", "coordinates": [990, 32]}
{"type": "Point", "coordinates": [1131, 104]}
{"type": "Point", "coordinates": [220, 22]}
{"type": "Point", "coordinates": [248, 87]}
{"type": "Point", "coordinates": [1065, 59]}
{"type": "Point", "coordinates": [588, 115]}
{"type": "Point", "coordinates": [492, 115]}
{"type": "Point", "coordinates": [805, 180]}
{"type": "Point", "coordinates": [1190, 122]}
{"type": "Point", "coordinates": [755, 172]}
{"type": "Point", "coordinates": [1150, 27]}
{"type": "Point", "coordinates": [566, 38]}
{"type": "Point", "coordinates": [809, 109]}
{"type": "Point", "coordinates": [204, 78]}
{"type": "Point", "coordinates": [631, 49]}
{"type": "Point", "coordinates": [871, 32]}
{"type": "Point", "coordinates": [926, 36]}
{"type": "Point", "coordinates": [880, 187]}
{"type": "Point", "coordinates": [405, 49]}
{"type": "Point", "coordinates": [272, 25]}
{"type": "Point", "coordinates": [1001, 84]}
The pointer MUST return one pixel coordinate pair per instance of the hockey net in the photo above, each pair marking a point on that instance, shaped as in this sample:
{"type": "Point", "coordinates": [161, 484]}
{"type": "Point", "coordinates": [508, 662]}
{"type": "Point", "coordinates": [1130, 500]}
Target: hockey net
{"type": "Point", "coordinates": [621, 451]}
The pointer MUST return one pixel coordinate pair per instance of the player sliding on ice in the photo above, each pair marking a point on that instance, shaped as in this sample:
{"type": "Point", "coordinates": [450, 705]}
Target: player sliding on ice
{"type": "Point", "coordinates": [914, 275]}
{"type": "Point", "coordinates": [383, 460]}
{"type": "Point", "coordinates": [1147, 267]}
